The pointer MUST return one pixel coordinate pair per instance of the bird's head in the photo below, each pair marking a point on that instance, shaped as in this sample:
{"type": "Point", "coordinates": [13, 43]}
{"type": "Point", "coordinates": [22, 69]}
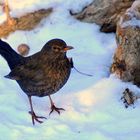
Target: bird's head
{"type": "Point", "coordinates": [57, 46]}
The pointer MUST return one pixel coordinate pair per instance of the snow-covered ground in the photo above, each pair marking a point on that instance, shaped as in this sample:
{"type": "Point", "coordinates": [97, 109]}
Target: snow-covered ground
{"type": "Point", "coordinates": [94, 110]}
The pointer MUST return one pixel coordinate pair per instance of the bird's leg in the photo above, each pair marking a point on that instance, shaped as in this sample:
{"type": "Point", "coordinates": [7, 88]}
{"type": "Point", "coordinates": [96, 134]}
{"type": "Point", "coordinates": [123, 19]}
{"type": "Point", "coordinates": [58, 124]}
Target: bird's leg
{"type": "Point", "coordinates": [32, 113]}
{"type": "Point", "coordinates": [54, 108]}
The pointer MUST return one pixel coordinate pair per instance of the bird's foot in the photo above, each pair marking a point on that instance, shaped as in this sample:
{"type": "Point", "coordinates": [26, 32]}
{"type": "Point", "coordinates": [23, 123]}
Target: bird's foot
{"type": "Point", "coordinates": [36, 118]}
{"type": "Point", "coordinates": [54, 108]}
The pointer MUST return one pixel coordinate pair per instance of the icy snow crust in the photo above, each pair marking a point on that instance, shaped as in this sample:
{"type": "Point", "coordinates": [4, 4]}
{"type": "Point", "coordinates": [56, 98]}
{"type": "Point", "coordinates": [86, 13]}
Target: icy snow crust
{"type": "Point", "coordinates": [94, 110]}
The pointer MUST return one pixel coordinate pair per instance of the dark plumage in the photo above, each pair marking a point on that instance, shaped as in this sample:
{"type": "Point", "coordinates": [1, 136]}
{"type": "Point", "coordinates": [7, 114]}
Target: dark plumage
{"type": "Point", "coordinates": [41, 74]}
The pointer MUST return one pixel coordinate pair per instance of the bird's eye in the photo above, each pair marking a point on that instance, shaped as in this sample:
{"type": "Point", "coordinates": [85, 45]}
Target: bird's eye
{"type": "Point", "coordinates": [55, 48]}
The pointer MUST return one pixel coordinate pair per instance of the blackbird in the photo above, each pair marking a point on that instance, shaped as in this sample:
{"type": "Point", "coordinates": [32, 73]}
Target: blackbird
{"type": "Point", "coordinates": [40, 74]}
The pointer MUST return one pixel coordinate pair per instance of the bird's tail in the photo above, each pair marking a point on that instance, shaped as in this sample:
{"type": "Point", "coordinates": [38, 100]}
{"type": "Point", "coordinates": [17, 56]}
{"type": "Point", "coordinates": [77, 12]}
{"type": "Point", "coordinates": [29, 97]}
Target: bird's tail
{"type": "Point", "coordinates": [9, 54]}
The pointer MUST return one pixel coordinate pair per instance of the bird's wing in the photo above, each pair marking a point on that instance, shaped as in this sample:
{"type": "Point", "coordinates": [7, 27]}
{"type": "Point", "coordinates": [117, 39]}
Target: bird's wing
{"type": "Point", "coordinates": [29, 71]}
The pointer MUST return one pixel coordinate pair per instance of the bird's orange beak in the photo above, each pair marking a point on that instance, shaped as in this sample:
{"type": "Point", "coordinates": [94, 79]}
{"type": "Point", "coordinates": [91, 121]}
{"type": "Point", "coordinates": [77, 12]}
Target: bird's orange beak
{"type": "Point", "coordinates": [68, 48]}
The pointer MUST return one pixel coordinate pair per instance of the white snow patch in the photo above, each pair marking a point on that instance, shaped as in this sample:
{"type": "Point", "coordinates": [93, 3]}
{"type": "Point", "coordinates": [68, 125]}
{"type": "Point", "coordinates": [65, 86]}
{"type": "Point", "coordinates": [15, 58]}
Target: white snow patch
{"type": "Point", "coordinates": [2, 18]}
{"type": "Point", "coordinates": [94, 110]}
{"type": "Point", "coordinates": [133, 22]}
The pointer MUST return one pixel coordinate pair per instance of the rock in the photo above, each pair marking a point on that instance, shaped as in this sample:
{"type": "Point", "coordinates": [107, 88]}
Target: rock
{"type": "Point", "coordinates": [126, 63]}
{"type": "Point", "coordinates": [129, 97]}
{"type": "Point", "coordinates": [104, 12]}
{"type": "Point", "coordinates": [26, 22]}
{"type": "Point", "coordinates": [23, 49]}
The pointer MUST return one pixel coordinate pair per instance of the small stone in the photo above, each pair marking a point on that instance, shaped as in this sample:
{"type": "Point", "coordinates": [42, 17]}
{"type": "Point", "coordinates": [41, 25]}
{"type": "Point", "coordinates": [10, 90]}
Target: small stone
{"type": "Point", "coordinates": [128, 98]}
{"type": "Point", "coordinates": [23, 49]}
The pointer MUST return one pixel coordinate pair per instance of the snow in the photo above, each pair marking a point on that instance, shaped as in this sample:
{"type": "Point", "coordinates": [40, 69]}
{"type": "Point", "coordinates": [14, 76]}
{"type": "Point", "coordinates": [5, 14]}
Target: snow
{"type": "Point", "coordinates": [133, 22]}
{"type": "Point", "coordinates": [94, 110]}
{"type": "Point", "coordinates": [2, 18]}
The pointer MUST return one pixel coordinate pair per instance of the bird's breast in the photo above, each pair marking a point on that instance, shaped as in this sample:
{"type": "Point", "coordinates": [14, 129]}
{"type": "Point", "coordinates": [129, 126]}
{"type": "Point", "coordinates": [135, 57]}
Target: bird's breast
{"type": "Point", "coordinates": [54, 76]}
{"type": "Point", "coordinates": [59, 72]}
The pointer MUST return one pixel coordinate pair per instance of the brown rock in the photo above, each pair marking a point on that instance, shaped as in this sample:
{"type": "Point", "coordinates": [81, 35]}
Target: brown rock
{"type": "Point", "coordinates": [104, 12]}
{"type": "Point", "coordinates": [126, 63]}
{"type": "Point", "coordinates": [26, 22]}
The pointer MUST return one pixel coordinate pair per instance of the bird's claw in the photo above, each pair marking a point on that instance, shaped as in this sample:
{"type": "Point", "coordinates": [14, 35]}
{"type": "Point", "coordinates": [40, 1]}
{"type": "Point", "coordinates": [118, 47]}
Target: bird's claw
{"type": "Point", "coordinates": [54, 108]}
{"type": "Point", "coordinates": [36, 118]}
